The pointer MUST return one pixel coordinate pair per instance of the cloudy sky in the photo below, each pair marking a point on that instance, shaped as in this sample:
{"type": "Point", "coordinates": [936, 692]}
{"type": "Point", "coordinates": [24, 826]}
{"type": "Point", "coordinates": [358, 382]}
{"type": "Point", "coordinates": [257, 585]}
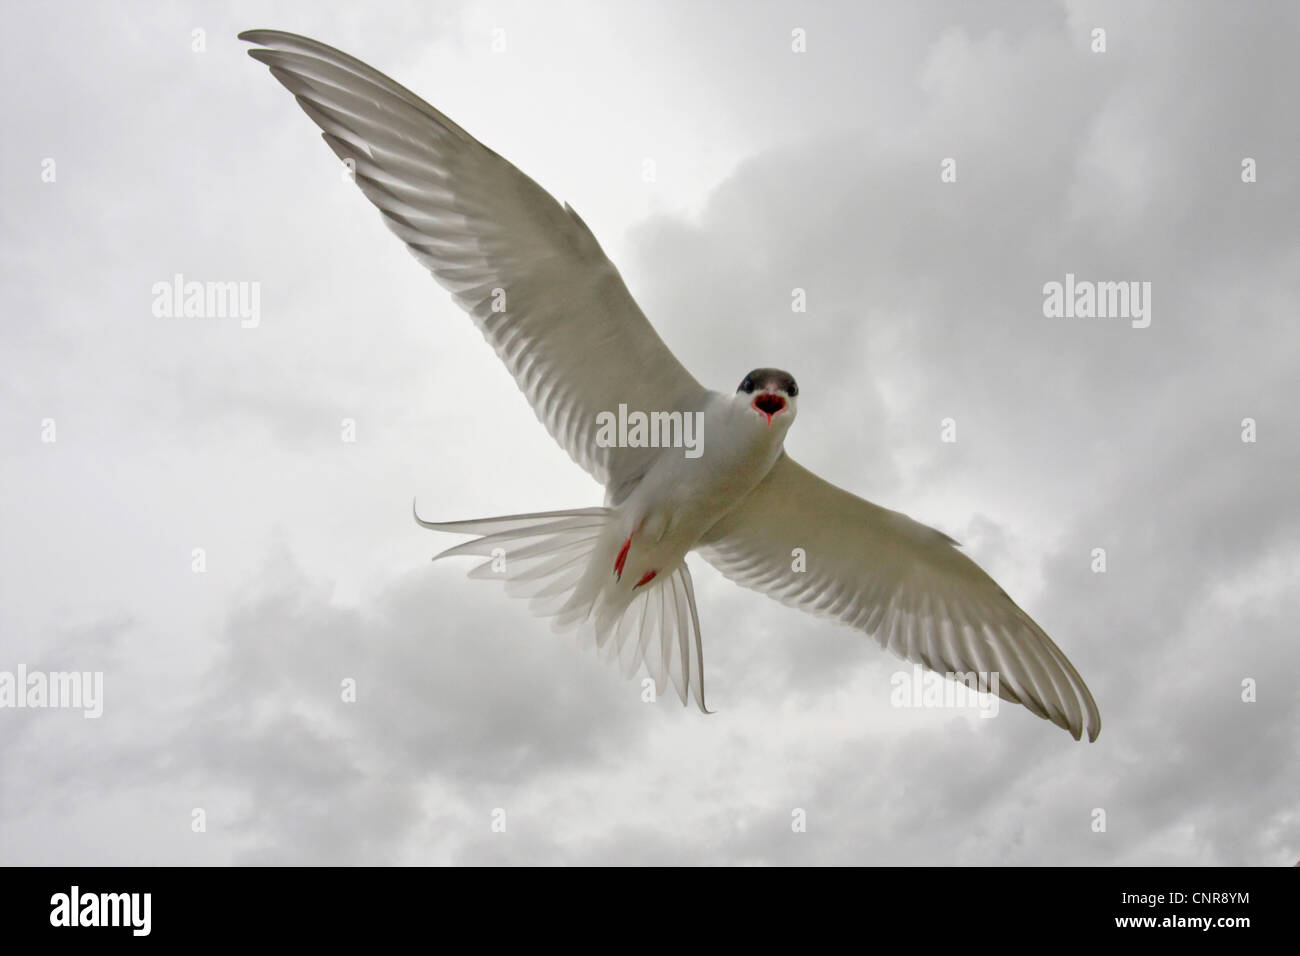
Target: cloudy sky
{"type": "Point", "coordinates": [721, 169]}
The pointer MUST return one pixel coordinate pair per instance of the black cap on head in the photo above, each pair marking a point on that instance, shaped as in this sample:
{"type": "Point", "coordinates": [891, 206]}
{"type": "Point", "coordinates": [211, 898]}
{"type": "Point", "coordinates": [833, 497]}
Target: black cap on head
{"type": "Point", "coordinates": [759, 379]}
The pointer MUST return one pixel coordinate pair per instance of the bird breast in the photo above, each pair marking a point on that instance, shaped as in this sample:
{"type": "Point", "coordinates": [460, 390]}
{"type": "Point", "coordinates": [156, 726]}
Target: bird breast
{"type": "Point", "coordinates": [680, 498]}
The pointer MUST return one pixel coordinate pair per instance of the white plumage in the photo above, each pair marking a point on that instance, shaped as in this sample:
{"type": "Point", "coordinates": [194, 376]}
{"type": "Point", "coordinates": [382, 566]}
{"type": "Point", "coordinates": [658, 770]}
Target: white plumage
{"type": "Point", "coordinates": [536, 283]}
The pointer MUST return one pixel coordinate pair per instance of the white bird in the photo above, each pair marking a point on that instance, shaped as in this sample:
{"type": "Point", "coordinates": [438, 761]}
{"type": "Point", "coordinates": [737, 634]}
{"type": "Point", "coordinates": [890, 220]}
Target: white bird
{"type": "Point", "coordinates": [536, 283]}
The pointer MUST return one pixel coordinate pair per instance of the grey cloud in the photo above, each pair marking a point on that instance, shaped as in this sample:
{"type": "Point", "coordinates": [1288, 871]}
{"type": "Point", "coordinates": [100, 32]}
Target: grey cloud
{"type": "Point", "coordinates": [924, 301]}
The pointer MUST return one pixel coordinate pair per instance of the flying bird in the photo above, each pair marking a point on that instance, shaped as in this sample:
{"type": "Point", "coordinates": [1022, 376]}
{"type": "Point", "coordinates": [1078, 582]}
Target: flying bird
{"type": "Point", "coordinates": [536, 283]}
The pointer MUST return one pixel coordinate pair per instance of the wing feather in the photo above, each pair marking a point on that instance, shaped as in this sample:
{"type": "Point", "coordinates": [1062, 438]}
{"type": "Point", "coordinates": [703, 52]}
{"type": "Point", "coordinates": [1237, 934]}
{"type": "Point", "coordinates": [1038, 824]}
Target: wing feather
{"type": "Point", "coordinates": [903, 583]}
{"type": "Point", "coordinates": [527, 270]}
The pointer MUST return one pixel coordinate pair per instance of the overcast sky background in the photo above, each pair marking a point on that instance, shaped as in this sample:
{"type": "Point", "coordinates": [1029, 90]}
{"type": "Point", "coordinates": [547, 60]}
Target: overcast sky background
{"type": "Point", "coordinates": [774, 170]}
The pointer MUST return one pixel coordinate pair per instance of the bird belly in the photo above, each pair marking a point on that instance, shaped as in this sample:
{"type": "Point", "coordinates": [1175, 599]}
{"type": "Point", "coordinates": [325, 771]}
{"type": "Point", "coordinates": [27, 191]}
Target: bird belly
{"type": "Point", "coordinates": [681, 498]}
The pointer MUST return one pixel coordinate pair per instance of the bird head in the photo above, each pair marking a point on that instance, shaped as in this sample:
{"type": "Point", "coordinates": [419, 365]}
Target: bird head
{"type": "Point", "coordinates": [771, 395]}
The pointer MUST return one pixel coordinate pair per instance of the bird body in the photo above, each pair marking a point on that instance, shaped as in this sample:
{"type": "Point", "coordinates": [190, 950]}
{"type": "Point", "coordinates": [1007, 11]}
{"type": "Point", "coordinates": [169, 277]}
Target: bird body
{"type": "Point", "coordinates": [622, 568]}
{"type": "Point", "coordinates": [680, 498]}
{"type": "Point", "coordinates": [535, 281]}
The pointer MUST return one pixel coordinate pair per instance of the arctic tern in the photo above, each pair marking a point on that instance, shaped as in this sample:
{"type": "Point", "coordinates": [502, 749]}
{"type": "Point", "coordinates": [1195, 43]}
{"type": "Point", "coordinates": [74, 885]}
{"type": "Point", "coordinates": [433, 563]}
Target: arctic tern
{"type": "Point", "coordinates": [536, 283]}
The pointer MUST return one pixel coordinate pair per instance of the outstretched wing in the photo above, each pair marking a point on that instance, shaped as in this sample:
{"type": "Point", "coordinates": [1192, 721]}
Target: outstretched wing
{"type": "Point", "coordinates": [903, 583]}
{"type": "Point", "coordinates": [527, 269]}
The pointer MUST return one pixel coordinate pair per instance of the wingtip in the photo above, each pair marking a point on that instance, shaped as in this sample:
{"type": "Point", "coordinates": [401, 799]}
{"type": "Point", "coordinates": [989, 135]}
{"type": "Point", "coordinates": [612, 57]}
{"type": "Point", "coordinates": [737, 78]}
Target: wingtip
{"type": "Point", "coordinates": [261, 35]}
{"type": "Point", "coordinates": [1092, 727]}
{"type": "Point", "coordinates": [415, 513]}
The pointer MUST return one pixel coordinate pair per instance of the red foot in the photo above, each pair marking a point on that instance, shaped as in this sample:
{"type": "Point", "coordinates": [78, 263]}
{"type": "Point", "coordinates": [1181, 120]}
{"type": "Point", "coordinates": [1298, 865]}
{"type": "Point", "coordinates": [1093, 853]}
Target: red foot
{"type": "Point", "coordinates": [622, 558]}
{"type": "Point", "coordinates": [647, 578]}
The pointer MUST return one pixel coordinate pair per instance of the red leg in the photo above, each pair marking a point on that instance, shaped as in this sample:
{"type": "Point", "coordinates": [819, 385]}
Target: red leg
{"type": "Point", "coordinates": [622, 558]}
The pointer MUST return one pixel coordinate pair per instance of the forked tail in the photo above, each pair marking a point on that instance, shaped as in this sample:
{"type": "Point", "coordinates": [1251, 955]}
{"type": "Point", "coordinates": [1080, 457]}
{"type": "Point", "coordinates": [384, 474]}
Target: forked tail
{"type": "Point", "coordinates": [561, 562]}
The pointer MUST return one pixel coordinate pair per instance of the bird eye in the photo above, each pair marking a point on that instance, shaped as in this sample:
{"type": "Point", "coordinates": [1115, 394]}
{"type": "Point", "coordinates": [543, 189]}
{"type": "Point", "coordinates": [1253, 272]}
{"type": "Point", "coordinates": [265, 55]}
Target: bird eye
{"type": "Point", "coordinates": [793, 390]}
{"type": "Point", "coordinates": [747, 386]}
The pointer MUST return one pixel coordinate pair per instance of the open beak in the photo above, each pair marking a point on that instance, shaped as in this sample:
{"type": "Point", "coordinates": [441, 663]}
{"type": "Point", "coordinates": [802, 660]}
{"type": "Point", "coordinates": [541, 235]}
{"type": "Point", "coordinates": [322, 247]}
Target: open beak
{"type": "Point", "coordinates": [768, 404]}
